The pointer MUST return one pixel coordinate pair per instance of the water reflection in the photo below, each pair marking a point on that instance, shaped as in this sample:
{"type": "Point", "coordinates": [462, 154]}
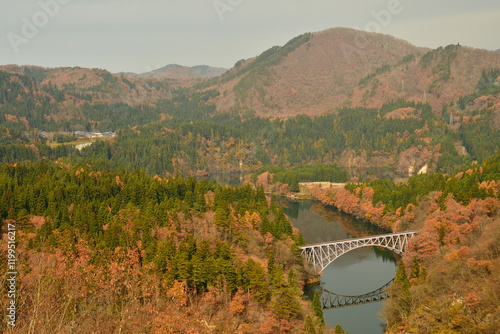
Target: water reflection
{"type": "Point", "coordinates": [319, 223]}
{"type": "Point", "coordinates": [331, 300]}
{"type": "Point", "coordinates": [358, 272]}
{"type": "Point", "coordinates": [313, 226]}
{"type": "Point", "coordinates": [355, 273]}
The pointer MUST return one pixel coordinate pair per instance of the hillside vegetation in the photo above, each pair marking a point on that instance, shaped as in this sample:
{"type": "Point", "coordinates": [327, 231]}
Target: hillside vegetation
{"type": "Point", "coordinates": [187, 135]}
{"type": "Point", "coordinates": [124, 252]}
{"type": "Point", "coordinates": [175, 71]}
{"type": "Point", "coordinates": [320, 72]}
{"type": "Point", "coordinates": [449, 277]}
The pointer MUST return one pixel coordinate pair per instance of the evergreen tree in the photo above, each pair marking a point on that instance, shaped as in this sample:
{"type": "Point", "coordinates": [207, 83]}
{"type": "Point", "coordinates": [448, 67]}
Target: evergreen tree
{"type": "Point", "coordinates": [339, 330]}
{"type": "Point", "coordinates": [309, 326]}
{"type": "Point", "coordinates": [317, 307]}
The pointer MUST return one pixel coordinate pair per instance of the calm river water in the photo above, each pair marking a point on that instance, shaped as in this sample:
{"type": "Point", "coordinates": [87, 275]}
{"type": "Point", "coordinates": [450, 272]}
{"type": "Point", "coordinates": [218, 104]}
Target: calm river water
{"type": "Point", "coordinates": [357, 272]}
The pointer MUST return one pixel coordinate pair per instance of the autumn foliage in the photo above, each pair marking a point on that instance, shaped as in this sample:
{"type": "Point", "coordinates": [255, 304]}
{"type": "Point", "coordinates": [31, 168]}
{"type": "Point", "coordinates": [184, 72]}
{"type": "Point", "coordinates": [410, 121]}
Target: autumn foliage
{"type": "Point", "coordinates": [449, 278]}
{"type": "Point", "coordinates": [100, 252]}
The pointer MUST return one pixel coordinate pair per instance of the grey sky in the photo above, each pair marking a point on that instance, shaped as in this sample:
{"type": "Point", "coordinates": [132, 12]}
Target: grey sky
{"type": "Point", "coordinates": [137, 36]}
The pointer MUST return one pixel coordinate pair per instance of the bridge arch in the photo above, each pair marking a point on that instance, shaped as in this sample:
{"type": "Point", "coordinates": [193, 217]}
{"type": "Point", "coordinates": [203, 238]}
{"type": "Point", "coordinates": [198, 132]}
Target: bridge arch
{"type": "Point", "coordinates": [322, 254]}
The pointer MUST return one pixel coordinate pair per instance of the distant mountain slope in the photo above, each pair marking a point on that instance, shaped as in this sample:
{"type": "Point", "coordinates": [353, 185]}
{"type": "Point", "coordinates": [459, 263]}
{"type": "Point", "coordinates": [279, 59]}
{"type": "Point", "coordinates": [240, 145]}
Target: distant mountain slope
{"type": "Point", "coordinates": [96, 85]}
{"type": "Point", "coordinates": [175, 71]}
{"type": "Point", "coordinates": [319, 72]}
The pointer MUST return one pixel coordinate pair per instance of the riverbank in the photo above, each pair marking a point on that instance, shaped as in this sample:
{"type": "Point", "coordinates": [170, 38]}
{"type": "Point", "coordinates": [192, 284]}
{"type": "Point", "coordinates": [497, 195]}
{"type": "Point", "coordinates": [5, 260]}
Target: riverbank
{"type": "Point", "coordinates": [359, 204]}
{"type": "Point", "coordinates": [451, 267]}
{"type": "Point", "coordinates": [307, 189]}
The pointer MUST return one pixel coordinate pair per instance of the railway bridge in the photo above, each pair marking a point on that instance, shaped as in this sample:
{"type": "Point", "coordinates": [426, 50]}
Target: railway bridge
{"type": "Point", "coordinates": [322, 254]}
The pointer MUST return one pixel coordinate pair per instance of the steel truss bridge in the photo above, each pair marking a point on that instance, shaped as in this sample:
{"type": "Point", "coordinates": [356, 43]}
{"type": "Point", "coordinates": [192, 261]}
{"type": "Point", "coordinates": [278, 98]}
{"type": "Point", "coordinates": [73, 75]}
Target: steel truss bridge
{"type": "Point", "coordinates": [322, 254]}
{"type": "Point", "coordinates": [331, 300]}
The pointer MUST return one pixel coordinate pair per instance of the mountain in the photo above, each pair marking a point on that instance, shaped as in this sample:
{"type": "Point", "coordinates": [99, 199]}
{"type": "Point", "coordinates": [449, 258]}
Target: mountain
{"type": "Point", "coordinates": [107, 204]}
{"type": "Point", "coordinates": [174, 71]}
{"type": "Point", "coordinates": [97, 85]}
{"type": "Point", "coordinates": [312, 74]}
{"type": "Point", "coordinates": [319, 72]}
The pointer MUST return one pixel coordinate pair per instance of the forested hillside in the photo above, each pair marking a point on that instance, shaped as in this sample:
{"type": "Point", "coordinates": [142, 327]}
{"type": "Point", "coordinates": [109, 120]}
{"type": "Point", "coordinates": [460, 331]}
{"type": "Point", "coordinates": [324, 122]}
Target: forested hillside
{"type": "Point", "coordinates": [175, 71]}
{"type": "Point", "coordinates": [187, 135]}
{"type": "Point", "coordinates": [449, 277]}
{"type": "Point", "coordinates": [319, 72]}
{"type": "Point", "coordinates": [124, 252]}
{"type": "Point", "coordinates": [168, 127]}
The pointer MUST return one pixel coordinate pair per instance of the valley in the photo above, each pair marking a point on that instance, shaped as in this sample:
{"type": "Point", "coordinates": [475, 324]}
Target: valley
{"type": "Point", "coordinates": [107, 177]}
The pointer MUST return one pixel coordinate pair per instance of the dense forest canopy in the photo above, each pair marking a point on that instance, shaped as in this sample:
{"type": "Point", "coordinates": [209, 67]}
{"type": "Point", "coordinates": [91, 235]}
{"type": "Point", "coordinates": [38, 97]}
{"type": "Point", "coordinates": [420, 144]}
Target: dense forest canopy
{"type": "Point", "coordinates": [147, 245]}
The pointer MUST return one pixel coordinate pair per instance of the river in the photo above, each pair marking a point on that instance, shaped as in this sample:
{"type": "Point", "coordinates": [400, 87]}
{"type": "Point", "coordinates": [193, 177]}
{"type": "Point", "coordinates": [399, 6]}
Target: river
{"type": "Point", "coordinates": [357, 272]}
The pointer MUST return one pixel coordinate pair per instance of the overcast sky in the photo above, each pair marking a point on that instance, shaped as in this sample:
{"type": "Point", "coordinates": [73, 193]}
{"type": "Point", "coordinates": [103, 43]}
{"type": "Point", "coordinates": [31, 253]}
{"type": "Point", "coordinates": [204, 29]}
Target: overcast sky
{"type": "Point", "coordinates": [138, 36]}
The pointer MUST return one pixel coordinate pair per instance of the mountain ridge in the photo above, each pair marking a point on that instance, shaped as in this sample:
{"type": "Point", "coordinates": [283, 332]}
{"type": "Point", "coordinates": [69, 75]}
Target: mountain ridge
{"type": "Point", "coordinates": [176, 71]}
{"type": "Point", "coordinates": [346, 67]}
{"type": "Point", "coordinates": [312, 74]}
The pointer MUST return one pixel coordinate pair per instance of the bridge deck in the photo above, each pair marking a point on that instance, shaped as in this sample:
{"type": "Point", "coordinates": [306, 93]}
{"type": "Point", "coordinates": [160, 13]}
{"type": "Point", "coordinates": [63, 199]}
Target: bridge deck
{"type": "Point", "coordinates": [360, 238]}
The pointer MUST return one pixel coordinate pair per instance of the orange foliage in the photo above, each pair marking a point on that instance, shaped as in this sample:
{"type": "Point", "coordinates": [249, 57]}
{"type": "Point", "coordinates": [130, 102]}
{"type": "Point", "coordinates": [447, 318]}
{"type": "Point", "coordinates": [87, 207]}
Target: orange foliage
{"type": "Point", "coordinates": [460, 253]}
{"type": "Point", "coordinates": [237, 304]}
{"type": "Point", "coordinates": [178, 293]}
{"type": "Point", "coordinates": [361, 208]}
{"type": "Point", "coordinates": [481, 264]}
{"type": "Point", "coordinates": [269, 326]}
{"type": "Point", "coordinates": [37, 221]}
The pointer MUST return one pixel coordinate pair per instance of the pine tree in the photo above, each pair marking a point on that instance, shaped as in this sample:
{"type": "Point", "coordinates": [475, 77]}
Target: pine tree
{"type": "Point", "coordinates": [339, 330]}
{"type": "Point", "coordinates": [270, 261]}
{"type": "Point", "coordinates": [254, 279]}
{"type": "Point", "coordinates": [309, 326]}
{"type": "Point", "coordinates": [403, 300]}
{"type": "Point", "coordinates": [285, 302]}
{"type": "Point", "coordinates": [317, 307]}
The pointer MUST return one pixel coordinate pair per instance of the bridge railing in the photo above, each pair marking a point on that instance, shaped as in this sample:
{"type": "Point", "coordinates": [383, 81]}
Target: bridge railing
{"type": "Point", "coordinates": [361, 238]}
